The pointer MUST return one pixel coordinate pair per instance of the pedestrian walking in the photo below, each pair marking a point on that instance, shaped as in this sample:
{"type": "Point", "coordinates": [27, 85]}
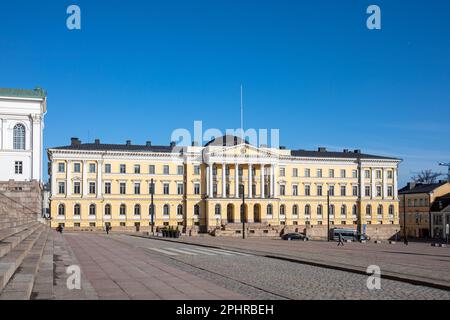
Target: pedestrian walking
{"type": "Point", "coordinates": [107, 228]}
{"type": "Point", "coordinates": [341, 241]}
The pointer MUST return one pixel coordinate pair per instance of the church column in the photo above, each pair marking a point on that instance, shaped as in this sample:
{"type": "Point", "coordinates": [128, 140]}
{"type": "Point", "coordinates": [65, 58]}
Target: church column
{"type": "Point", "coordinates": [362, 176]}
{"type": "Point", "coordinates": [250, 181]}
{"type": "Point", "coordinates": [262, 181]}
{"type": "Point", "coordinates": [236, 180]}
{"type": "Point", "coordinates": [374, 190]}
{"type": "Point", "coordinates": [224, 194]}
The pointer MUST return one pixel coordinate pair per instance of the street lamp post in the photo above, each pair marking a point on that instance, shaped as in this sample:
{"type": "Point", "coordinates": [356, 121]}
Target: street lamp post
{"type": "Point", "coordinates": [152, 208]}
{"type": "Point", "coordinates": [243, 211]}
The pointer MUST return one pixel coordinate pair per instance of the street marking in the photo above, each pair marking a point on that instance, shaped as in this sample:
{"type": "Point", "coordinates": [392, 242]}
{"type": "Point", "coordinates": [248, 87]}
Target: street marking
{"type": "Point", "coordinates": [217, 251]}
{"type": "Point", "coordinates": [232, 252]}
{"type": "Point", "coordinates": [199, 250]}
{"type": "Point", "coordinates": [164, 251]}
{"type": "Point", "coordinates": [181, 251]}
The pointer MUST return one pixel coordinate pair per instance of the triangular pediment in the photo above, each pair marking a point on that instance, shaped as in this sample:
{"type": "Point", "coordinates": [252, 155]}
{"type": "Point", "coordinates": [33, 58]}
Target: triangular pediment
{"type": "Point", "coordinates": [240, 151]}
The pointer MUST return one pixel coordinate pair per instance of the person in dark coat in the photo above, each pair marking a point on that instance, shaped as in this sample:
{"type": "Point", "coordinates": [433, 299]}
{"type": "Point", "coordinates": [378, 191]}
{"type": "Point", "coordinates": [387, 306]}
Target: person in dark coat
{"type": "Point", "coordinates": [341, 241]}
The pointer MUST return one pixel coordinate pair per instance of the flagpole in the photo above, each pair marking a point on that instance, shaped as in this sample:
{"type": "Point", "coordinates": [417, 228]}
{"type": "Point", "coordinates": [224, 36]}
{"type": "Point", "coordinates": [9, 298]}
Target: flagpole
{"type": "Point", "coordinates": [242, 116]}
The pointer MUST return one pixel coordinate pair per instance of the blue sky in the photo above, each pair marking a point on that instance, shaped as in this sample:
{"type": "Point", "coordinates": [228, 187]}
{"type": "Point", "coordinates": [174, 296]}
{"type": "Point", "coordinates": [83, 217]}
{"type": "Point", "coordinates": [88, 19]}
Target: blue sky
{"type": "Point", "coordinates": [138, 70]}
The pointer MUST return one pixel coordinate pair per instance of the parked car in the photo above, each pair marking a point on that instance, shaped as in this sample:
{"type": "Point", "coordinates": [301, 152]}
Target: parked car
{"type": "Point", "coordinates": [347, 234]}
{"type": "Point", "coordinates": [295, 236]}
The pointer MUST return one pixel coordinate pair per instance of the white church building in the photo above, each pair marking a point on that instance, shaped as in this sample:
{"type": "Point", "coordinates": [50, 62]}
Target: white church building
{"type": "Point", "coordinates": [21, 134]}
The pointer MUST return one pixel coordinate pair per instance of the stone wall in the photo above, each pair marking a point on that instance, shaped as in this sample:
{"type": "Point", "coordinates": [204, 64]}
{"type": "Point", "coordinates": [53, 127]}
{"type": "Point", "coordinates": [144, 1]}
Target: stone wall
{"type": "Point", "coordinates": [21, 199]}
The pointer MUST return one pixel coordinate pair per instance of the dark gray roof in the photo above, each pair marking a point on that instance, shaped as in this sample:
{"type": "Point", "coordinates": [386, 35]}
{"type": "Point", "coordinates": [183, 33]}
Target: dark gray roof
{"type": "Point", "coordinates": [227, 140]}
{"type": "Point", "coordinates": [23, 93]}
{"type": "Point", "coordinates": [440, 203]}
{"type": "Point", "coordinates": [420, 188]}
{"type": "Point", "coordinates": [337, 154]}
{"type": "Point", "coordinates": [115, 147]}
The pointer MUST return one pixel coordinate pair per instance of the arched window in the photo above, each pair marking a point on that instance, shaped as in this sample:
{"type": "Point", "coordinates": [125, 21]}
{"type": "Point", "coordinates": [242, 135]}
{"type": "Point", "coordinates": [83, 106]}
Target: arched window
{"type": "Point", "coordinates": [380, 210]}
{"type": "Point", "coordinates": [295, 210]}
{"type": "Point", "coordinates": [123, 210]}
{"type": "Point", "coordinates": [269, 210]}
{"type": "Point", "coordinates": [331, 213]}
{"type": "Point", "coordinates": [92, 210]}
{"type": "Point", "coordinates": [166, 210]}
{"type": "Point", "coordinates": [355, 210]}
{"type": "Point", "coordinates": [180, 210]}
{"type": "Point", "coordinates": [343, 210]}
{"type": "Point", "coordinates": [107, 210]}
{"type": "Point", "coordinates": [319, 210]}
{"type": "Point", "coordinates": [19, 137]}
{"type": "Point", "coordinates": [282, 210]}
{"type": "Point", "coordinates": [307, 210]}
{"type": "Point", "coordinates": [391, 210]}
{"type": "Point", "coordinates": [76, 210]}
{"type": "Point", "coordinates": [217, 210]}
{"type": "Point", "coordinates": [368, 210]}
{"type": "Point", "coordinates": [137, 210]}
{"type": "Point", "coordinates": [196, 210]}
{"type": "Point", "coordinates": [61, 210]}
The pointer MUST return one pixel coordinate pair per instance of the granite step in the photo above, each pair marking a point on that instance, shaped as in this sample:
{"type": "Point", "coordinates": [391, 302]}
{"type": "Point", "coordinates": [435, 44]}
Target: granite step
{"type": "Point", "coordinates": [20, 286]}
{"type": "Point", "coordinates": [8, 244]}
{"type": "Point", "coordinates": [43, 283]}
{"type": "Point", "coordinates": [10, 262]}
{"type": "Point", "coordinates": [8, 232]}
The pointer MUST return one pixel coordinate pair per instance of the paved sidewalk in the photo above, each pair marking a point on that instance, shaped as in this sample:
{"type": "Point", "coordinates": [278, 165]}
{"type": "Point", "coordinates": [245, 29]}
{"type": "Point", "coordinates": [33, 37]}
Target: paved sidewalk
{"type": "Point", "coordinates": [417, 263]}
{"type": "Point", "coordinates": [119, 271]}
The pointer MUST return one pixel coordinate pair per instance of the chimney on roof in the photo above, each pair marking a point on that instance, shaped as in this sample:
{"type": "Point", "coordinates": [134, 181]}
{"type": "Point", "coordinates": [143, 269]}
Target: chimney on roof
{"type": "Point", "coordinates": [97, 141]}
{"type": "Point", "coordinates": [357, 150]}
{"type": "Point", "coordinates": [282, 148]}
{"type": "Point", "coordinates": [345, 150]}
{"type": "Point", "coordinates": [172, 144]}
{"type": "Point", "coordinates": [128, 143]}
{"type": "Point", "coordinates": [322, 149]}
{"type": "Point", "coordinates": [194, 143]}
{"type": "Point", "coordinates": [148, 143]}
{"type": "Point", "coordinates": [411, 185]}
{"type": "Point", "coordinates": [74, 141]}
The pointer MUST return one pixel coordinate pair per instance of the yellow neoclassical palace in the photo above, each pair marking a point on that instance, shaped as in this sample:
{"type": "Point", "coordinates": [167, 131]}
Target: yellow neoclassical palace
{"type": "Point", "coordinates": [199, 188]}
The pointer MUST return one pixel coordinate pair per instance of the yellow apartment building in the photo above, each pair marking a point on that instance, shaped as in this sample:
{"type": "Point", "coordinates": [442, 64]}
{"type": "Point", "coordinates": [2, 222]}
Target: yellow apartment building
{"type": "Point", "coordinates": [416, 199]}
{"type": "Point", "coordinates": [199, 188]}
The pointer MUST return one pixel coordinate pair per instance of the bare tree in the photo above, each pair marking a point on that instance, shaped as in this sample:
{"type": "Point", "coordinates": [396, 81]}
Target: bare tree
{"type": "Point", "coordinates": [426, 176]}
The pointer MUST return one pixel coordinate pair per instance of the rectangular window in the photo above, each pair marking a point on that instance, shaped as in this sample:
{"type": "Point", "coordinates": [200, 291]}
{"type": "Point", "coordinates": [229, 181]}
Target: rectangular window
{"type": "Point", "coordinates": [355, 174]}
{"type": "Point", "coordinates": [282, 172]}
{"type": "Point", "coordinates": [76, 167]}
{"type": "Point", "coordinates": [390, 174]}
{"type": "Point", "coordinates": [196, 170]}
{"type": "Point", "coordinates": [390, 191]}
{"type": "Point", "coordinates": [137, 169]}
{"type": "Point", "coordinates": [166, 169]}
{"type": "Point", "coordinates": [180, 189]}
{"type": "Point", "coordinates": [91, 187]}
{"type": "Point", "coordinates": [343, 191]}
{"type": "Point", "coordinates": [151, 169]}
{"type": "Point", "coordinates": [123, 188]}
{"type": "Point", "coordinates": [61, 188]}
{"type": "Point", "coordinates": [107, 168]}
{"type": "Point", "coordinates": [166, 188]}
{"type": "Point", "coordinates": [137, 188]}
{"type": "Point", "coordinates": [343, 174]}
{"type": "Point", "coordinates": [319, 191]}
{"type": "Point", "coordinates": [295, 190]}
{"type": "Point", "coordinates": [307, 173]}
{"type": "Point", "coordinates": [331, 173]}
{"type": "Point", "coordinates": [76, 187]}
{"type": "Point", "coordinates": [151, 188]}
{"type": "Point", "coordinates": [107, 187]}
{"type": "Point", "coordinates": [196, 188]}
{"type": "Point", "coordinates": [307, 190]}
{"type": "Point", "coordinates": [331, 190]}
{"type": "Point", "coordinates": [123, 168]}
{"type": "Point", "coordinates": [355, 191]}
{"type": "Point", "coordinates": [367, 191]}
{"type": "Point", "coordinates": [180, 170]}
{"type": "Point", "coordinates": [18, 167]}
{"type": "Point", "coordinates": [282, 190]}
{"type": "Point", "coordinates": [367, 174]}
{"type": "Point", "coordinates": [61, 167]}
{"type": "Point", "coordinates": [378, 191]}
{"type": "Point", "coordinates": [319, 173]}
{"type": "Point", "coordinates": [295, 172]}
{"type": "Point", "coordinates": [92, 167]}
{"type": "Point", "coordinates": [378, 174]}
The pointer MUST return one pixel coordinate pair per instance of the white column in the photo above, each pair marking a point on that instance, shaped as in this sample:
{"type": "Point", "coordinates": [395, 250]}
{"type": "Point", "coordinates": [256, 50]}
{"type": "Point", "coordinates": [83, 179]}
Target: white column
{"type": "Point", "coordinates": [236, 180]}
{"type": "Point", "coordinates": [272, 181]}
{"type": "Point", "coordinates": [262, 181]}
{"type": "Point", "coordinates": [374, 190]}
{"type": "Point", "coordinates": [395, 184]}
{"type": "Point", "coordinates": [85, 184]}
{"type": "Point", "coordinates": [275, 189]}
{"type": "Point", "coordinates": [211, 173]}
{"type": "Point", "coordinates": [384, 183]}
{"type": "Point", "coordinates": [36, 147]}
{"type": "Point", "coordinates": [208, 173]}
{"type": "Point", "coordinates": [250, 181]}
{"type": "Point", "coordinates": [99, 179]}
{"type": "Point", "coordinates": [224, 194]}
{"type": "Point", "coordinates": [68, 178]}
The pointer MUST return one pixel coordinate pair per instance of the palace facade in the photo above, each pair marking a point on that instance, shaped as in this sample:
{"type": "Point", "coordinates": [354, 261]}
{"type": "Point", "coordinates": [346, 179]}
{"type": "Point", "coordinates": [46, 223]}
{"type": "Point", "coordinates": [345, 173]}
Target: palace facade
{"type": "Point", "coordinates": [200, 188]}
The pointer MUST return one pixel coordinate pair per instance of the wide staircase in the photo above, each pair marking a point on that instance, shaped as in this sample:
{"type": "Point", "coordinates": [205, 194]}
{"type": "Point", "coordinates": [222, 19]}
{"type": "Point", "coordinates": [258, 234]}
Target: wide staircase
{"type": "Point", "coordinates": [26, 252]}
